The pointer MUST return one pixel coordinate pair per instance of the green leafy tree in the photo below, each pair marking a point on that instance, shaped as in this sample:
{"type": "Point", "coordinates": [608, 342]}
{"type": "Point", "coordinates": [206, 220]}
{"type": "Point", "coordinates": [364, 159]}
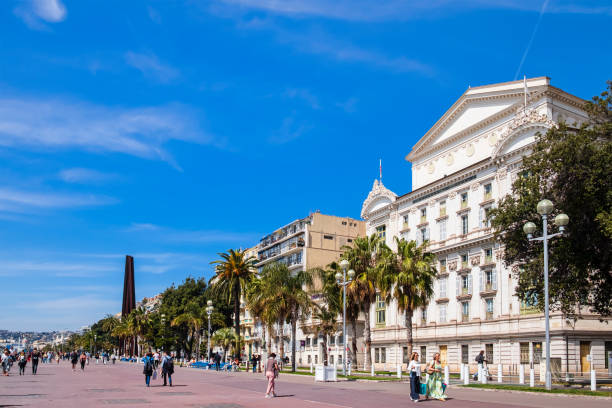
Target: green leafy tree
{"type": "Point", "coordinates": [572, 167]}
{"type": "Point", "coordinates": [193, 321]}
{"type": "Point", "coordinates": [233, 273]}
{"type": "Point", "coordinates": [408, 279]}
{"type": "Point", "coordinates": [225, 338]}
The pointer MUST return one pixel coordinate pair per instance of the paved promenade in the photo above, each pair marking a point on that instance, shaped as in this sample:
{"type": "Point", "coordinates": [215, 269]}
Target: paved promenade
{"type": "Point", "coordinates": [123, 385]}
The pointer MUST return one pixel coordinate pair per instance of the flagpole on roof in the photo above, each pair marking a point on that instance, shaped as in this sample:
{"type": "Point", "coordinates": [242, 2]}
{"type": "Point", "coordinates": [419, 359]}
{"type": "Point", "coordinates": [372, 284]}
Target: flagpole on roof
{"type": "Point", "coordinates": [380, 168]}
{"type": "Point", "coordinates": [525, 93]}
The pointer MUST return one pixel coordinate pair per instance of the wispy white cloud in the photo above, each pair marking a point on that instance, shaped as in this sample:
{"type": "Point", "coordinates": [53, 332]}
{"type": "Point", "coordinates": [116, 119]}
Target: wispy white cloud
{"type": "Point", "coordinates": [154, 15]}
{"type": "Point", "coordinates": [41, 268]}
{"type": "Point", "coordinates": [399, 10]}
{"type": "Point", "coordinates": [291, 129]}
{"type": "Point", "coordinates": [35, 13]}
{"type": "Point", "coordinates": [316, 42]}
{"type": "Point", "coordinates": [21, 201]}
{"type": "Point", "coordinates": [192, 236]}
{"type": "Point", "coordinates": [304, 95]}
{"type": "Point", "coordinates": [151, 67]}
{"type": "Point", "coordinates": [85, 176]}
{"type": "Point", "coordinates": [54, 123]}
{"type": "Point", "coordinates": [349, 106]}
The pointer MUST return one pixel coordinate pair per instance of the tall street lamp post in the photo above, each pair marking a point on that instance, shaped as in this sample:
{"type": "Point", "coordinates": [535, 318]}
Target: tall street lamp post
{"type": "Point", "coordinates": [342, 281]}
{"type": "Point", "coordinates": [544, 208]}
{"type": "Point", "coordinates": [209, 312]}
{"type": "Point", "coordinates": [163, 324]}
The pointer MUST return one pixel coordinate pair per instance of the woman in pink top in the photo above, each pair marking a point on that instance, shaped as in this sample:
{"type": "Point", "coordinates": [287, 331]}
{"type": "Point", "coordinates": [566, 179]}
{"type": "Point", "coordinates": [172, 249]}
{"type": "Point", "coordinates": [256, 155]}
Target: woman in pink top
{"type": "Point", "coordinates": [271, 373]}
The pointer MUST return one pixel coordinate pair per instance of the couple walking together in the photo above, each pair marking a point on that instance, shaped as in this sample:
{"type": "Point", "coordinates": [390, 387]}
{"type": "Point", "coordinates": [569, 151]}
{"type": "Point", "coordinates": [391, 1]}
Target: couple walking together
{"type": "Point", "coordinates": [434, 386]}
{"type": "Point", "coordinates": [150, 368]}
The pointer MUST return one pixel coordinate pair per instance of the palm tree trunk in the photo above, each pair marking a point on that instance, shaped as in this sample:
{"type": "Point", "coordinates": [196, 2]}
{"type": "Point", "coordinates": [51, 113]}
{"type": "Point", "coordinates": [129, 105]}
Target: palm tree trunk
{"type": "Point", "coordinates": [409, 315]}
{"type": "Point", "coordinates": [269, 346]}
{"type": "Point", "coordinates": [281, 347]}
{"type": "Point", "coordinates": [293, 334]}
{"type": "Point", "coordinates": [367, 334]}
{"type": "Point", "coordinates": [237, 317]}
{"type": "Point", "coordinates": [324, 349]}
{"type": "Point", "coordinates": [354, 342]}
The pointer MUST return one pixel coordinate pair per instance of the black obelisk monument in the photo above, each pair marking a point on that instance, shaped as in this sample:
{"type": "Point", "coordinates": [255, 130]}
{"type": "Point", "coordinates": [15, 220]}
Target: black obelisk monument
{"type": "Point", "coordinates": [129, 298]}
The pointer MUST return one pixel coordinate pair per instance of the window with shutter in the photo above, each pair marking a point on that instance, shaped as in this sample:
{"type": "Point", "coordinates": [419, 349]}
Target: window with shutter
{"type": "Point", "coordinates": [494, 280]}
{"type": "Point", "coordinates": [470, 284]}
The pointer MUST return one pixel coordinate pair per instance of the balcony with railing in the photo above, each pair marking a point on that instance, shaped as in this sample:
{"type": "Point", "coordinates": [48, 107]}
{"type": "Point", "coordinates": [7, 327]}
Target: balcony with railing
{"type": "Point", "coordinates": [465, 318]}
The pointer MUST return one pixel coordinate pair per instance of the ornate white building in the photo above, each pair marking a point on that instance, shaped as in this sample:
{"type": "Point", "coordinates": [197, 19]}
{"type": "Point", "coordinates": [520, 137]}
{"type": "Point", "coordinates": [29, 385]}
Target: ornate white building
{"type": "Point", "coordinates": [460, 168]}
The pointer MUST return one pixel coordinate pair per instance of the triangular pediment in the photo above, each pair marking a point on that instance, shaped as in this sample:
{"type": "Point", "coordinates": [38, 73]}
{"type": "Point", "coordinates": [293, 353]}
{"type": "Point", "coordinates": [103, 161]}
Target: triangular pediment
{"type": "Point", "coordinates": [475, 108]}
{"type": "Point", "coordinates": [473, 112]}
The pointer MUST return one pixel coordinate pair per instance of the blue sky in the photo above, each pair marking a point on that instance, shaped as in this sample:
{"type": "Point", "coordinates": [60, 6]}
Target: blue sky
{"type": "Point", "coordinates": [172, 130]}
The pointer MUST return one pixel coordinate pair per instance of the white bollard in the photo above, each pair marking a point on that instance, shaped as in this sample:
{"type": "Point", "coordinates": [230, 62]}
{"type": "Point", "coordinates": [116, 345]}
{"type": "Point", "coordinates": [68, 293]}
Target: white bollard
{"type": "Point", "coordinates": [499, 374]}
{"type": "Point", "coordinates": [466, 375]}
{"type": "Point", "coordinates": [399, 371]}
{"type": "Point", "coordinates": [311, 367]}
{"type": "Point", "coordinates": [485, 378]}
{"type": "Point", "coordinates": [461, 372]}
{"type": "Point", "coordinates": [531, 377]}
{"type": "Point", "coordinates": [372, 370]}
{"type": "Point", "coordinates": [593, 381]}
{"type": "Point", "coordinates": [349, 368]}
{"type": "Point", "coordinates": [480, 374]}
{"type": "Point", "coordinates": [521, 374]}
{"type": "Point", "coordinates": [446, 375]}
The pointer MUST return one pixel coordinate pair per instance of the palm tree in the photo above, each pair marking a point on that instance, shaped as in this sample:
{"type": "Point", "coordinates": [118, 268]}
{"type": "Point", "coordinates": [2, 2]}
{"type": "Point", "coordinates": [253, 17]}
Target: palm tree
{"type": "Point", "coordinates": [137, 323]}
{"type": "Point", "coordinates": [409, 281]}
{"type": "Point", "coordinates": [279, 296]}
{"type": "Point", "coordinates": [366, 256]}
{"type": "Point", "coordinates": [233, 273]}
{"type": "Point", "coordinates": [225, 338]}
{"type": "Point", "coordinates": [193, 322]}
{"type": "Point", "coordinates": [332, 293]}
{"type": "Point", "coordinates": [328, 325]}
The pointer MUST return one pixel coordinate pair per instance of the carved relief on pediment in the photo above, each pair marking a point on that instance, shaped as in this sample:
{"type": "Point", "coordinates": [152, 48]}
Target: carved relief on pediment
{"type": "Point", "coordinates": [452, 265]}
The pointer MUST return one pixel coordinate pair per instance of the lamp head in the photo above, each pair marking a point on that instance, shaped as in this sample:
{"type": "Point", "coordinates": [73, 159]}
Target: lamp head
{"type": "Point", "coordinates": [344, 264]}
{"type": "Point", "coordinates": [561, 221]}
{"type": "Point", "coordinates": [545, 207]}
{"type": "Point", "coordinates": [529, 228]}
{"type": "Point", "coordinates": [351, 274]}
{"type": "Point", "coordinates": [338, 276]}
{"type": "Point", "coordinates": [209, 303]}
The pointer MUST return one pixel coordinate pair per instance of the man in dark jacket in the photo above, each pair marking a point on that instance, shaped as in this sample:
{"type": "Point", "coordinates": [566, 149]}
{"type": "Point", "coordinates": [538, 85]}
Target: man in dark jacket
{"type": "Point", "coordinates": [35, 359]}
{"type": "Point", "coordinates": [217, 361]}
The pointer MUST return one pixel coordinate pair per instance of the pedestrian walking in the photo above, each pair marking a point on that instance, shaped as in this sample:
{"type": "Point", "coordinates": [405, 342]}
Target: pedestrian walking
{"type": "Point", "coordinates": [114, 358]}
{"type": "Point", "coordinates": [35, 359]}
{"type": "Point", "coordinates": [148, 368]}
{"type": "Point", "coordinates": [217, 361]}
{"type": "Point", "coordinates": [259, 363]}
{"type": "Point", "coordinates": [167, 368]}
{"type": "Point", "coordinates": [22, 363]}
{"type": "Point", "coordinates": [57, 358]}
{"type": "Point", "coordinates": [156, 359]}
{"type": "Point", "coordinates": [254, 362]}
{"type": "Point", "coordinates": [435, 387]}
{"type": "Point", "coordinates": [271, 374]}
{"type": "Point", "coordinates": [74, 359]}
{"type": "Point", "coordinates": [414, 368]}
{"type": "Point", "coordinates": [84, 359]}
{"type": "Point", "coordinates": [6, 362]}
{"type": "Point", "coordinates": [480, 360]}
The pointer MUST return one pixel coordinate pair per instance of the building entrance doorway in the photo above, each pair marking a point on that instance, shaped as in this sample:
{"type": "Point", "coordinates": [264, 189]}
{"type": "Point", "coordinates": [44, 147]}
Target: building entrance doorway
{"type": "Point", "coordinates": [443, 353]}
{"type": "Point", "coordinates": [585, 350]}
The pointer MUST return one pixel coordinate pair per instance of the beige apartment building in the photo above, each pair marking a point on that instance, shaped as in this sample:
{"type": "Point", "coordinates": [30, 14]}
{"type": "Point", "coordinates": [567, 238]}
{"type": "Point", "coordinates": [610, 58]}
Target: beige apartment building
{"type": "Point", "coordinates": [303, 244]}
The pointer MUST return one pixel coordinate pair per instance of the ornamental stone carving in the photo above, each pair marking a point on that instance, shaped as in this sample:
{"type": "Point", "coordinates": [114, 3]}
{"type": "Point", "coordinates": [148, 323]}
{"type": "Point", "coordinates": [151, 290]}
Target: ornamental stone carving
{"type": "Point", "coordinates": [522, 118]}
{"type": "Point", "coordinates": [470, 150]}
{"type": "Point", "coordinates": [452, 194]}
{"type": "Point", "coordinates": [499, 254]}
{"type": "Point", "coordinates": [475, 260]}
{"type": "Point", "coordinates": [452, 265]}
{"type": "Point", "coordinates": [515, 269]}
{"type": "Point", "coordinates": [475, 186]}
{"type": "Point", "coordinates": [378, 191]}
